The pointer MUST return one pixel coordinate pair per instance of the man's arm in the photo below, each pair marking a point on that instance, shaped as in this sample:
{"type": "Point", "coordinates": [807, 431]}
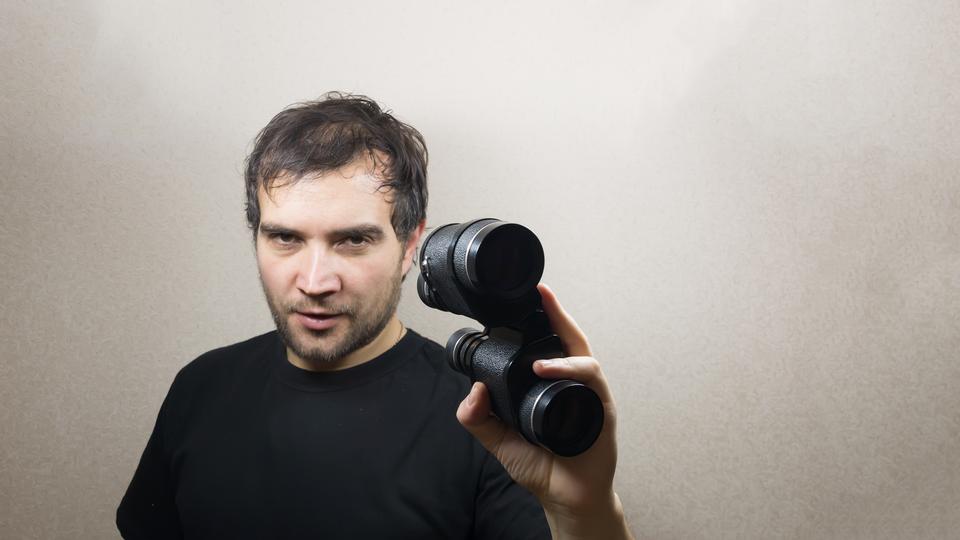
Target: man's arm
{"type": "Point", "coordinates": [576, 492]}
{"type": "Point", "coordinates": [147, 510]}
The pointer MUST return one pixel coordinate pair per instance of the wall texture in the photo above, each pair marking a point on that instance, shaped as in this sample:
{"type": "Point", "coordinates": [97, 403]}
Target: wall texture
{"type": "Point", "coordinates": [752, 207]}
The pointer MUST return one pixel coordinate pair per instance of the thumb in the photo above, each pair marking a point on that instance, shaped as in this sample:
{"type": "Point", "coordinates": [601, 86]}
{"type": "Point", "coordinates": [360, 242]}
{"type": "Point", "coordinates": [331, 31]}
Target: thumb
{"type": "Point", "coordinates": [474, 415]}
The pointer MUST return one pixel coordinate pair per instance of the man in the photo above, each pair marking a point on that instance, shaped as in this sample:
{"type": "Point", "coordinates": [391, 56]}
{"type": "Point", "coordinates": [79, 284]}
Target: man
{"type": "Point", "coordinates": [340, 424]}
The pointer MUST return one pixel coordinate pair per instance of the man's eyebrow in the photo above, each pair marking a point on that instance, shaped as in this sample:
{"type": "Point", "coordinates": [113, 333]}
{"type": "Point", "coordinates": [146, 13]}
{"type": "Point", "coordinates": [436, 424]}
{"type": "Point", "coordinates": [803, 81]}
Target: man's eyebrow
{"type": "Point", "coordinates": [271, 228]}
{"type": "Point", "coordinates": [370, 230]}
{"type": "Point", "coordinates": [375, 232]}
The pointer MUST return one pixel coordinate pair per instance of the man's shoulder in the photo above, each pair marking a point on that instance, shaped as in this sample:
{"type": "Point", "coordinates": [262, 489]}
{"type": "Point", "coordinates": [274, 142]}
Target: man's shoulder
{"type": "Point", "coordinates": [232, 358]}
{"type": "Point", "coordinates": [428, 347]}
{"type": "Point", "coordinates": [433, 363]}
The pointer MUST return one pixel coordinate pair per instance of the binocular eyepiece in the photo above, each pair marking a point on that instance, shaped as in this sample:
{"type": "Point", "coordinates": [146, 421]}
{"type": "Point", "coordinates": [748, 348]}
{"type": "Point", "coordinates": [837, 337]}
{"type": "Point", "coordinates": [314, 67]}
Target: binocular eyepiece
{"type": "Point", "coordinates": [488, 270]}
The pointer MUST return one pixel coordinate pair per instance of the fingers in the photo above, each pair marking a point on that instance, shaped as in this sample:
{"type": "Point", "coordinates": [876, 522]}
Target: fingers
{"type": "Point", "coordinates": [579, 365]}
{"type": "Point", "coordinates": [584, 369]}
{"type": "Point", "coordinates": [474, 415]}
{"type": "Point", "coordinates": [573, 339]}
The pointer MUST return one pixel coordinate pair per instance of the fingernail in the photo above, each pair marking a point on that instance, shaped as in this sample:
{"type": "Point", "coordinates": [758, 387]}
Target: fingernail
{"type": "Point", "coordinates": [471, 397]}
{"type": "Point", "coordinates": [546, 362]}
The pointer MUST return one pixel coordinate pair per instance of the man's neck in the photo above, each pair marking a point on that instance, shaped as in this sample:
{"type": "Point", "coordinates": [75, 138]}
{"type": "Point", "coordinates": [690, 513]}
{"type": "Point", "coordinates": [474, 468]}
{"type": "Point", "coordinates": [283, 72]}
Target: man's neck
{"type": "Point", "coordinates": [385, 340]}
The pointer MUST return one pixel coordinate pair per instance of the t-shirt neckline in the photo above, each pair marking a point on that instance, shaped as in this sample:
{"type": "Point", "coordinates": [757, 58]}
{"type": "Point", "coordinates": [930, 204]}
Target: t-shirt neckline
{"type": "Point", "coordinates": [330, 381]}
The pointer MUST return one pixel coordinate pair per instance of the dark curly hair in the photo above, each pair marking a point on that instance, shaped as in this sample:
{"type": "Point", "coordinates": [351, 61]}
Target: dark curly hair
{"type": "Point", "coordinates": [334, 131]}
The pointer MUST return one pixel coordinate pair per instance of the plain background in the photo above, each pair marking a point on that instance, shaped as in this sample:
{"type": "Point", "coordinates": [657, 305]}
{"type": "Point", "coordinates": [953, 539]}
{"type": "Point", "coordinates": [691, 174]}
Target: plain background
{"type": "Point", "coordinates": [752, 208]}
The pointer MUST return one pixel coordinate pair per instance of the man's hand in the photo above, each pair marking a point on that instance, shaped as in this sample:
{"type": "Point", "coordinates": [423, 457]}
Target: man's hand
{"type": "Point", "coordinates": [576, 492]}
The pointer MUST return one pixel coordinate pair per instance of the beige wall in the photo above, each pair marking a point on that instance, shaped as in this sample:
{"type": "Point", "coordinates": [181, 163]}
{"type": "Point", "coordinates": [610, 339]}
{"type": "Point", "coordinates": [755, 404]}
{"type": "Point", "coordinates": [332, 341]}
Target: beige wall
{"type": "Point", "coordinates": [752, 207]}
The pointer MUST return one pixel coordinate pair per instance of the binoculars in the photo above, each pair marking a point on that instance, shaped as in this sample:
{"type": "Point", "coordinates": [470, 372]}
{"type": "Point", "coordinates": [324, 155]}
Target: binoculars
{"type": "Point", "coordinates": [488, 270]}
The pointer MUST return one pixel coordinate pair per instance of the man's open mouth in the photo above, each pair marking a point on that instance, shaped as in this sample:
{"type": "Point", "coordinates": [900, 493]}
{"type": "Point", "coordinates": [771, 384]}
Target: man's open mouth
{"type": "Point", "coordinates": [317, 321]}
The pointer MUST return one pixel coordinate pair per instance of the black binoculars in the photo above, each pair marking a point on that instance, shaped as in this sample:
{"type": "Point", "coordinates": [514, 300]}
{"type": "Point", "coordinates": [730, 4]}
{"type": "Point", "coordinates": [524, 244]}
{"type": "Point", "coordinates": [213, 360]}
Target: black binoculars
{"type": "Point", "coordinates": [488, 270]}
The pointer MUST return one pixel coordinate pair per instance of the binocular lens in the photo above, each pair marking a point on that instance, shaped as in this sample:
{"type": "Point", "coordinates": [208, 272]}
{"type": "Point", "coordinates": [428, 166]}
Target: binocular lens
{"type": "Point", "coordinates": [504, 259]}
{"type": "Point", "coordinates": [567, 417]}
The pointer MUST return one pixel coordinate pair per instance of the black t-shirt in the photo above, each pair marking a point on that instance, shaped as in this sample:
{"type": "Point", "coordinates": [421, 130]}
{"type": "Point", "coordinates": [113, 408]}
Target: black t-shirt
{"type": "Point", "coordinates": [247, 445]}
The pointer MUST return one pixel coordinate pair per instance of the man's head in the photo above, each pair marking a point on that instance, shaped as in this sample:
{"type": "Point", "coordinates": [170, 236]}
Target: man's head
{"type": "Point", "coordinates": [325, 135]}
{"type": "Point", "coordinates": [336, 199]}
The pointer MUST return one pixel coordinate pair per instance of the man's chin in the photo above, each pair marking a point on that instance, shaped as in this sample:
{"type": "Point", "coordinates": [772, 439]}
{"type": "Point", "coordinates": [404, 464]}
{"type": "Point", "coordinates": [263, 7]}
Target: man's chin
{"type": "Point", "coordinates": [308, 339]}
{"type": "Point", "coordinates": [309, 351]}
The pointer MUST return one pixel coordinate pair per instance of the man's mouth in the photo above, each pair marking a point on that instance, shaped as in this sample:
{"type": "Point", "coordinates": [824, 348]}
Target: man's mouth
{"type": "Point", "coordinates": [320, 320]}
{"type": "Point", "coordinates": [318, 314]}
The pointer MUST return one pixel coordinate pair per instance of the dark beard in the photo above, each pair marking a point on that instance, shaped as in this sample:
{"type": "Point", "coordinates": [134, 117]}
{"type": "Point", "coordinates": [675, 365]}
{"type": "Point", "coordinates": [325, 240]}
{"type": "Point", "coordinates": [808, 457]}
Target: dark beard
{"type": "Point", "coordinates": [361, 330]}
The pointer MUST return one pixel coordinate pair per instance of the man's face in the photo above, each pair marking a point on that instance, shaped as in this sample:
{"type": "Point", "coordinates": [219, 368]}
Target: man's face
{"type": "Point", "coordinates": [331, 265]}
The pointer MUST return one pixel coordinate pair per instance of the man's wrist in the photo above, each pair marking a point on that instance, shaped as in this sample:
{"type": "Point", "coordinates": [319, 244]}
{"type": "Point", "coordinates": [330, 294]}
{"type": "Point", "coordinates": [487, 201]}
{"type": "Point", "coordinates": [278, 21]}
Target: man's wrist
{"type": "Point", "coordinates": [603, 520]}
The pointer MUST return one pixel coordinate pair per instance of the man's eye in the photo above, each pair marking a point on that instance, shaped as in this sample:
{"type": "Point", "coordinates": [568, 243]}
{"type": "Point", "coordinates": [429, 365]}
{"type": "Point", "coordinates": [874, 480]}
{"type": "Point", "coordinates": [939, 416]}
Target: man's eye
{"type": "Point", "coordinates": [282, 238]}
{"type": "Point", "coordinates": [356, 241]}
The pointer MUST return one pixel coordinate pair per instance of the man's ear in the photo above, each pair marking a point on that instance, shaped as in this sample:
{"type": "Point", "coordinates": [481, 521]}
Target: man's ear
{"type": "Point", "coordinates": [410, 250]}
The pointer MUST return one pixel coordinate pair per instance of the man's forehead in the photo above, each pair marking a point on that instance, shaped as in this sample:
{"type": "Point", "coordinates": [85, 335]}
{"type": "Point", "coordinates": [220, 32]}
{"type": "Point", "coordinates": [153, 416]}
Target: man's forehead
{"type": "Point", "coordinates": [346, 183]}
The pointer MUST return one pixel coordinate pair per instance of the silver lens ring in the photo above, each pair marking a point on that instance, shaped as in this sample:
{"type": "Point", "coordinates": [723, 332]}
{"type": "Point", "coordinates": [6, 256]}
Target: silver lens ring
{"type": "Point", "coordinates": [533, 410]}
{"type": "Point", "coordinates": [466, 265]}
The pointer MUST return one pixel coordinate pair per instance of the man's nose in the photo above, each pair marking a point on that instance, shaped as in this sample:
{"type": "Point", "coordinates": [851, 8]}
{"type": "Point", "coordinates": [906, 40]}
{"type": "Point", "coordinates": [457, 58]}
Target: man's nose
{"type": "Point", "coordinates": [318, 274]}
